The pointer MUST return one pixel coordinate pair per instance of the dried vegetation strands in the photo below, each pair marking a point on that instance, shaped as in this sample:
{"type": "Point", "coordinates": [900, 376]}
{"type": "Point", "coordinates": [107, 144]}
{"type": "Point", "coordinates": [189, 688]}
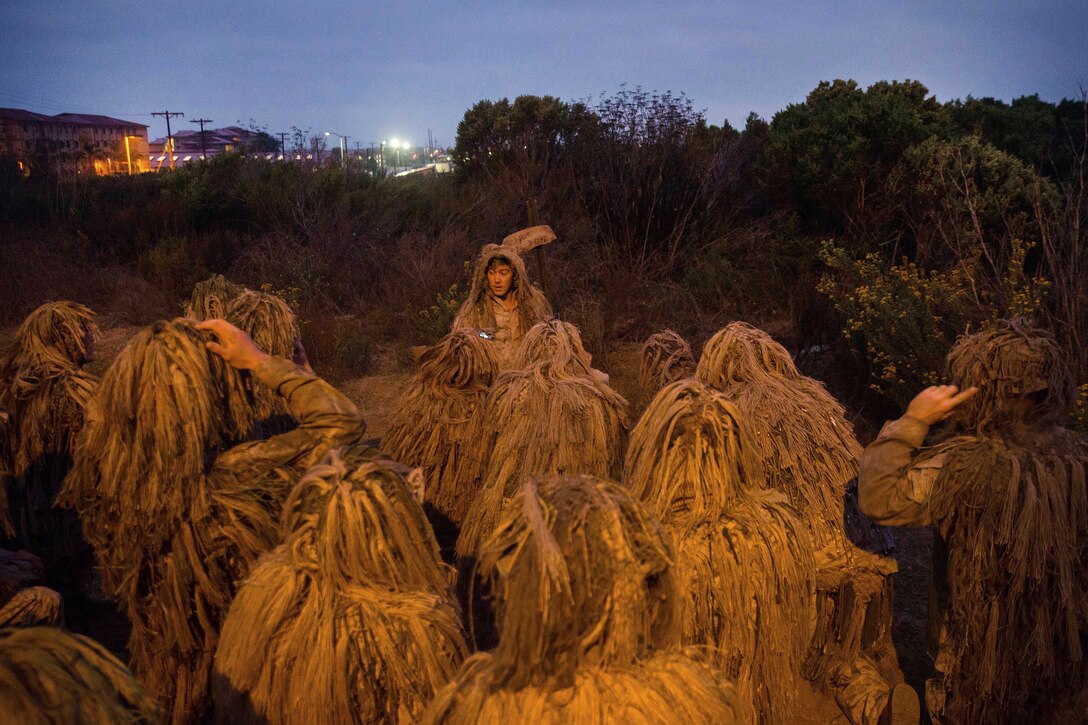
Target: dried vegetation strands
{"type": "Point", "coordinates": [209, 298]}
{"type": "Point", "coordinates": [259, 411]}
{"type": "Point", "coordinates": [800, 432]}
{"type": "Point", "coordinates": [171, 531]}
{"type": "Point", "coordinates": [1011, 503]}
{"type": "Point", "coordinates": [589, 620]}
{"type": "Point", "coordinates": [44, 392]}
{"type": "Point", "coordinates": [550, 416]}
{"type": "Point", "coordinates": [666, 357]}
{"type": "Point", "coordinates": [351, 619]}
{"type": "Point", "coordinates": [743, 559]}
{"type": "Point", "coordinates": [51, 677]}
{"type": "Point", "coordinates": [437, 426]}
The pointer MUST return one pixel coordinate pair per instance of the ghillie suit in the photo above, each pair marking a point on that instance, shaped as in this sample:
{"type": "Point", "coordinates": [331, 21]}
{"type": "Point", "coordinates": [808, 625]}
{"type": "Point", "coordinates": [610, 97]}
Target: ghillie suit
{"type": "Point", "coordinates": [210, 298]}
{"type": "Point", "coordinates": [352, 618]}
{"type": "Point", "coordinates": [51, 677]}
{"type": "Point", "coordinates": [21, 604]}
{"type": "Point", "coordinates": [437, 426]}
{"type": "Point", "coordinates": [590, 620]}
{"type": "Point", "coordinates": [1006, 491]}
{"type": "Point", "coordinates": [44, 392]}
{"type": "Point", "coordinates": [549, 416]}
{"type": "Point", "coordinates": [744, 562]}
{"type": "Point", "coordinates": [482, 311]}
{"type": "Point", "coordinates": [176, 517]}
{"type": "Point", "coordinates": [271, 324]}
{"type": "Point", "coordinates": [666, 357]}
{"type": "Point", "coordinates": [809, 452]}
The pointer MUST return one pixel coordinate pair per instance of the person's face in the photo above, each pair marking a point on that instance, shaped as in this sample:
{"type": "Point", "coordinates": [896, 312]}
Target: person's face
{"type": "Point", "coordinates": [500, 278]}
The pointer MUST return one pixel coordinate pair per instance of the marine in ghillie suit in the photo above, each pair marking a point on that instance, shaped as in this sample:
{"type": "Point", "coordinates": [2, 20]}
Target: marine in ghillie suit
{"type": "Point", "coordinates": [209, 298]}
{"type": "Point", "coordinates": [352, 618]}
{"type": "Point", "coordinates": [438, 425]}
{"type": "Point", "coordinates": [744, 561]}
{"type": "Point", "coordinates": [51, 677]}
{"type": "Point", "coordinates": [1005, 488]}
{"type": "Point", "coordinates": [809, 453]}
{"type": "Point", "coordinates": [44, 391]}
{"type": "Point", "coordinates": [590, 621]}
{"type": "Point", "coordinates": [502, 302]}
{"type": "Point", "coordinates": [665, 358]}
{"type": "Point", "coordinates": [175, 514]}
{"type": "Point", "coordinates": [273, 326]}
{"type": "Point", "coordinates": [551, 415]}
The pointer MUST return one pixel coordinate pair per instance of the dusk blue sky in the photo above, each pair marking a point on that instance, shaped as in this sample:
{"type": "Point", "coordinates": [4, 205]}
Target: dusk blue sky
{"type": "Point", "coordinates": [374, 71]}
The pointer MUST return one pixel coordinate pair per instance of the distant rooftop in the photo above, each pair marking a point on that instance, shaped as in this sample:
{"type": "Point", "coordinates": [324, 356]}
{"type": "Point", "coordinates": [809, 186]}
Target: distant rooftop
{"type": "Point", "coordinates": [77, 119]}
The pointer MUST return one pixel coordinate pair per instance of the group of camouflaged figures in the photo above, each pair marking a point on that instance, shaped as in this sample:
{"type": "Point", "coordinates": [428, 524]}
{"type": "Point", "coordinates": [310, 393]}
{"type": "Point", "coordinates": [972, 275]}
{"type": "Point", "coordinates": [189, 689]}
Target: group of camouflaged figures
{"type": "Point", "coordinates": [515, 548]}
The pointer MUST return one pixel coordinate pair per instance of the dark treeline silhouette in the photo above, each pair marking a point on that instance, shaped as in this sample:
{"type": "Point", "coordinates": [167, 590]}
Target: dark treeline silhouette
{"type": "Point", "coordinates": [875, 224]}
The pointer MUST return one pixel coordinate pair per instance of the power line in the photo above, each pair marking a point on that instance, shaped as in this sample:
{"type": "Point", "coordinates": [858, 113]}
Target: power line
{"type": "Point", "coordinates": [169, 138]}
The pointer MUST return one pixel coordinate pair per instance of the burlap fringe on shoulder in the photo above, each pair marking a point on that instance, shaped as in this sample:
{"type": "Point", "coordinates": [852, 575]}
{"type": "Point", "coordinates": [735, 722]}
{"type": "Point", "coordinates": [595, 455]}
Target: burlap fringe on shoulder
{"type": "Point", "coordinates": [743, 559]}
{"type": "Point", "coordinates": [589, 619]}
{"type": "Point", "coordinates": [352, 618]}
{"type": "Point", "coordinates": [550, 416]}
{"type": "Point", "coordinates": [51, 677]}
{"type": "Point", "coordinates": [1011, 503]}
{"type": "Point", "coordinates": [170, 540]}
{"type": "Point", "coordinates": [437, 426]}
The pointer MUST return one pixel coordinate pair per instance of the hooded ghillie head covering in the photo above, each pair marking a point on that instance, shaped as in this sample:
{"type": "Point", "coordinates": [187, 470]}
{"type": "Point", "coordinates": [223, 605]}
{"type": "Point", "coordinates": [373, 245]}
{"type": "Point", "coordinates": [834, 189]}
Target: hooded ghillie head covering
{"type": "Point", "coordinates": [44, 392]}
{"type": "Point", "coordinates": [1010, 501]}
{"type": "Point", "coordinates": [477, 311]}
{"type": "Point", "coordinates": [743, 560]}
{"type": "Point", "coordinates": [52, 677]}
{"type": "Point", "coordinates": [210, 298]}
{"type": "Point", "coordinates": [800, 432]}
{"type": "Point", "coordinates": [272, 325]}
{"type": "Point", "coordinates": [1010, 362]}
{"type": "Point", "coordinates": [437, 426]}
{"type": "Point", "coordinates": [589, 620]}
{"type": "Point", "coordinates": [666, 358]}
{"type": "Point", "coordinates": [351, 614]}
{"type": "Point", "coordinates": [171, 532]}
{"type": "Point", "coordinates": [549, 416]}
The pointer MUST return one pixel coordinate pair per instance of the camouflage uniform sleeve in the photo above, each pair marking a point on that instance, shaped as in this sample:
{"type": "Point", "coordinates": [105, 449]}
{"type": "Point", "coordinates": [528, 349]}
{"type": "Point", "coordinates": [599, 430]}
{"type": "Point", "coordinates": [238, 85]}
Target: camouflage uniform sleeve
{"type": "Point", "coordinates": [326, 419]}
{"type": "Point", "coordinates": [893, 483]}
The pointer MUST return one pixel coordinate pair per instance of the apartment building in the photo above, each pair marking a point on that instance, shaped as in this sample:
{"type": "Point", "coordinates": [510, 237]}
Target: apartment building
{"type": "Point", "coordinates": [72, 143]}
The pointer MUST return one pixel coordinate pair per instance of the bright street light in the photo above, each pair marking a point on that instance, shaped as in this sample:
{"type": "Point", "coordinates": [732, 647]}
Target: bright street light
{"type": "Point", "coordinates": [343, 139]}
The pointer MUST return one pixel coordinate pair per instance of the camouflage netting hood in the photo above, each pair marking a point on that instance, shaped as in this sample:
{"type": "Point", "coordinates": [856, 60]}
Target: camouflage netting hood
{"type": "Point", "coordinates": [273, 326]}
{"type": "Point", "coordinates": [44, 392]}
{"type": "Point", "coordinates": [589, 619]}
{"type": "Point", "coordinates": [800, 432]}
{"type": "Point", "coordinates": [1010, 362]}
{"type": "Point", "coordinates": [351, 614]}
{"type": "Point", "coordinates": [532, 306]}
{"type": "Point", "coordinates": [51, 677]}
{"type": "Point", "coordinates": [170, 537]}
{"type": "Point", "coordinates": [550, 416]}
{"type": "Point", "coordinates": [437, 425]}
{"type": "Point", "coordinates": [743, 559]}
{"type": "Point", "coordinates": [666, 357]}
{"type": "Point", "coordinates": [1011, 503]}
{"type": "Point", "coordinates": [210, 298]}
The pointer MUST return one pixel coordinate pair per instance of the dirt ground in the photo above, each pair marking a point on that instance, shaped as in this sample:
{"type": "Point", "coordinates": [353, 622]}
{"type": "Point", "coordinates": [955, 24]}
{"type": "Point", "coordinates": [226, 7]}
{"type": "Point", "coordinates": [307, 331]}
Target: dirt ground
{"type": "Point", "coordinates": [378, 394]}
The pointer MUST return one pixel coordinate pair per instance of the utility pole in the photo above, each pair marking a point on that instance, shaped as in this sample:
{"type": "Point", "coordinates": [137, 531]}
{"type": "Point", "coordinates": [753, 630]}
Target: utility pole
{"type": "Point", "coordinates": [203, 145]}
{"type": "Point", "coordinates": [283, 144]}
{"type": "Point", "coordinates": [169, 137]}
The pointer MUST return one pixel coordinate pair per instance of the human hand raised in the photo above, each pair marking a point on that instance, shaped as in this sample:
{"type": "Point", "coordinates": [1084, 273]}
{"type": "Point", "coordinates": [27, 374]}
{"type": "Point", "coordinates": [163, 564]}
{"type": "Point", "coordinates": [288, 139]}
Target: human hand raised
{"type": "Point", "coordinates": [233, 345]}
{"type": "Point", "coordinates": [937, 402]}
